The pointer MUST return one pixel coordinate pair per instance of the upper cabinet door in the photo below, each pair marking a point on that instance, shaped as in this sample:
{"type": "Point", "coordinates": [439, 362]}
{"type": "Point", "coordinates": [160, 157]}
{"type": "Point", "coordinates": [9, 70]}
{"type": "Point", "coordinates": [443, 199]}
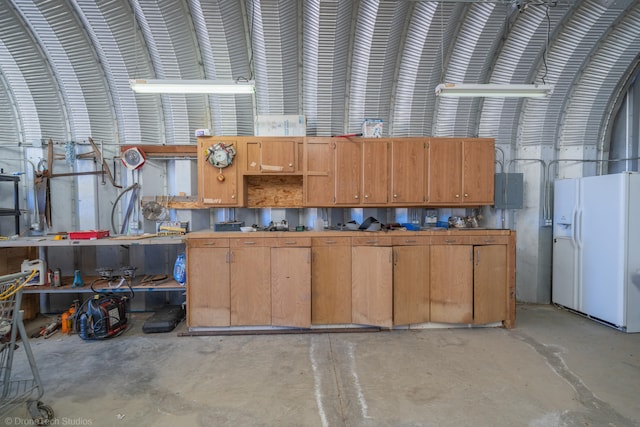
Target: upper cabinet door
{"type": "Point", "coordinates": [319, 172]}
{"type": "Point", "coordinates": [278, 156]}
{"type": "Point", "coordinates": [408, 171]}
{"type": "Point", "coordinates": [461, 172]}
{"type": "Point", "coordinates": [375, 171]}
{"type": "Point", "coordinates": [479, 171]}
{"type": "Point", "coordinates": [217, 187]}
{"type": "Point", "coordinates": [271, 155]}
{"type": "Point", "coordinates": [348, 170]}
{"type": "Point", "coordinates": [361, 172]}
{"type": "Point", "coordinates": [445, 171]}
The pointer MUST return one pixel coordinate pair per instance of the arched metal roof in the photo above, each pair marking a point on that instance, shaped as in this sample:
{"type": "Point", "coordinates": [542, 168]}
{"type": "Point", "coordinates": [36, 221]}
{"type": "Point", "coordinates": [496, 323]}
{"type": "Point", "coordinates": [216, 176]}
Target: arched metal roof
{"type": "Point", "coordinates": [65, 66]}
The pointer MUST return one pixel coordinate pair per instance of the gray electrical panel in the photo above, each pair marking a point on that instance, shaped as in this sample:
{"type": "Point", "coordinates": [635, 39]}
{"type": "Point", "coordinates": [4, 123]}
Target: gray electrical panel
{"type": "Point", "coordinates": [509, 191]}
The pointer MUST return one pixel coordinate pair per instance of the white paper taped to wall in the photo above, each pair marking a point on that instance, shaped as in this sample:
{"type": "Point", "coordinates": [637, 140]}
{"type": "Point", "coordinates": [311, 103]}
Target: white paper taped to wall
{"type": "Point", "coordinates": [280, 125]}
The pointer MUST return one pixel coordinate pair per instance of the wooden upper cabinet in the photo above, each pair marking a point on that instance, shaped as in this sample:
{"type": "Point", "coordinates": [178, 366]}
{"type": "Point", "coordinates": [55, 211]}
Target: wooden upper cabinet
{"type": "Point", "coordinates": [478, 171]}
{"type": "Point", "coordinates": [273, 155]}
{"type": "Point", "coordinates": [326, 172]}
{"type": "Point", "coordinates": [361, 172]}
{"type": "Point", "coordinates": [319, 172]}
{"type": "Point", "coordinates": [408, 160]}
{"type": "Point", "coordinates": [375, 171]}
{"type": "Point", "coordinates": [348, 172]}
{"type": "Point", "coordinates": [461, 172]}
{"type": "Point", "coordinates": [218, 187]}
{"type": "Point", "coordinates": [445, 170]}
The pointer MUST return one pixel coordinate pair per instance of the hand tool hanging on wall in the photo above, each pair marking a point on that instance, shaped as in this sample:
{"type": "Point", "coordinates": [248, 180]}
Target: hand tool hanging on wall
{"type": "Point", "coordinates": [44, 173]}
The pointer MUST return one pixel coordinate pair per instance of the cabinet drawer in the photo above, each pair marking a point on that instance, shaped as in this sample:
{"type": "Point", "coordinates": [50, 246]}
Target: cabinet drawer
{"type": "Point", "coordinates": [331, 241]}
{"type": "Point", "coordinates": [489, 240]}
{"type": "Point", "coordinates": [208, 243]}
{"type": "Point", "coordinates": [372, 240]}
{"type": "Point", "coordinates": [293, 242]}
{"type": "Point", "coordinates": [248, 241]}
{"type": "Point", "coordinates": [410, 240]}
{"type": "Point", "coordinates": [449, 240]}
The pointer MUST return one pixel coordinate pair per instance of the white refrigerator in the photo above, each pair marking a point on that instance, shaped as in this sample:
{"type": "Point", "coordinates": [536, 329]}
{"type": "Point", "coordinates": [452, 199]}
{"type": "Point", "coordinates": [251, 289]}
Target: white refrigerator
{"type": "Point", "coordinates": [596, 248]}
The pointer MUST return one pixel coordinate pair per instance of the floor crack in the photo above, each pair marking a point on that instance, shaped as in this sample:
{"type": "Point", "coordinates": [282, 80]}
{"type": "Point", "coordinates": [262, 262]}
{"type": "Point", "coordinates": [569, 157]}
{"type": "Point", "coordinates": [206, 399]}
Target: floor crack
{"type": "Point", "coordinates": [598, 411]}
{"type": "Point", "coordinates": [335, 379]}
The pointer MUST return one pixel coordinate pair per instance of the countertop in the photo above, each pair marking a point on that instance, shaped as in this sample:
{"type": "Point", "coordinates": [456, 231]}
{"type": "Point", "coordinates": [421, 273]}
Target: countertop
{"type": "Point", "coordinates": [209, 234]}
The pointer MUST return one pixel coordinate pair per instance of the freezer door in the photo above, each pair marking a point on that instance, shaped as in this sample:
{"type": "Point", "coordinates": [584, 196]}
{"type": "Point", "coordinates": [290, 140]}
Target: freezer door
{"type": "Point", "coordinates": [602, 234]}
{"type": "Point", "coordinates": [565, 206]}
{"type": "Point", "coordinates": [564, 290]}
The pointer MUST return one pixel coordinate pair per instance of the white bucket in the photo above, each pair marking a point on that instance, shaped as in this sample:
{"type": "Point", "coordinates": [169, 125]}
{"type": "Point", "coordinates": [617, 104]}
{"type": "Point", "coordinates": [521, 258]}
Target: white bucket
{"type": "Point", "coordinates": [37, 264]}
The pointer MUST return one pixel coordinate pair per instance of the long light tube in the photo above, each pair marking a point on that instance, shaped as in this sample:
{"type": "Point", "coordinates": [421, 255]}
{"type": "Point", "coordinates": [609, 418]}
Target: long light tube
{"type": "Point", "coordinates": [494, 90]}
{"type": "Point", "coordinates": [192, 86]}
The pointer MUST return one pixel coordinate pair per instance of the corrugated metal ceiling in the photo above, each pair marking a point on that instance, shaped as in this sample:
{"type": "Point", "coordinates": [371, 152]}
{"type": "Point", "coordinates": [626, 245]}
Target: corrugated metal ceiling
{"type": "Point", "coordinates": [65, 65]}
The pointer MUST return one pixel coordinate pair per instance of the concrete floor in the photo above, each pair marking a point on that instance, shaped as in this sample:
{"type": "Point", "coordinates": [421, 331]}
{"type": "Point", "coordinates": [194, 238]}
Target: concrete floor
{"type": "Point", "coordinates": [554, 369]}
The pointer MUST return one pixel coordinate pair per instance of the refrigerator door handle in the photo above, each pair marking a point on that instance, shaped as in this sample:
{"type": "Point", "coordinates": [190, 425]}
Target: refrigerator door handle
{"type": "Point", "coordinates": [578, 228]}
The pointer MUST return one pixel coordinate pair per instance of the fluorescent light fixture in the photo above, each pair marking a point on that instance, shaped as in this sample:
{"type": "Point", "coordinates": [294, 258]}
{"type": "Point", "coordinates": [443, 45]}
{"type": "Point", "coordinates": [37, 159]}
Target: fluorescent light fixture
{"type": "Point", "coordinates": [493, 90]}
{"type": "Point", "coordinates": [193, 86]}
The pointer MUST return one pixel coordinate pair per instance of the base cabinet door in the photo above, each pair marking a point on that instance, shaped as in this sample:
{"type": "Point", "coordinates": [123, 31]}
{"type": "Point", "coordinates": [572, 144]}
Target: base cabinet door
{"type": "Point", "coordinates": [208, 299]}
{"type": "Point", "coordinates": [291, 287]}
{"type": "Point", "coordinates": [451, 283]}
{"type": "Point", "coordinates": [489, 283]}
{"type": "Point", "coordinates": [411, 302]}
{"type": "Point", "coordinates": [372, 285]}
{"type": "Point", "coordinates": [331, 280]}
{"type": "Point", "coordinates": [250, 284]}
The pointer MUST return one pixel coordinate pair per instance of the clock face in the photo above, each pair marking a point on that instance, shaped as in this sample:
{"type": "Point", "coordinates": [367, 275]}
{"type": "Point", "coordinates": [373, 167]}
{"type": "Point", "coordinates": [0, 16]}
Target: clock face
{"type": "Point", "coordinates": [220, 156]}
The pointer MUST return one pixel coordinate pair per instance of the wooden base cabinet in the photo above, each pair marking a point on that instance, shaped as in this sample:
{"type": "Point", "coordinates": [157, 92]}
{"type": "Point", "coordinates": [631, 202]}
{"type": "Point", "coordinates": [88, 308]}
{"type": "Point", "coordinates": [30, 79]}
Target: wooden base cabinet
{"type": "Point", "coordinates": [411, 281]}
{"type": "Point", "coordinates": [489, 283]}
{"type": "Point", "coordinates": [291, 286]}
{"type": "Point", "coordinates": [208, 285]}
{"type": "Point", "coordinates": [250, 282]}
{"type": "Point", "coordinates": [451, 283]}
{"type": "Point", "coordinates": [373, 279]}
{"type": "Point", "coordinates": [469, 282]}
{"type": "Point", "coordinates": [331, 280]}
{"type": "Point", "coordinates": [372, 285]}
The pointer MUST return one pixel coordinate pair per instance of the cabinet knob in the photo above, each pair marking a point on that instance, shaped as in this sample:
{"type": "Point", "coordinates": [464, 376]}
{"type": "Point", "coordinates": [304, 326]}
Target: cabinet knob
{"type": "Point", "coordinates": [290, 165]}
{"type": "Point", "coordinates": [366, 196]}
{"type": "Point", "coordinates": [355, 197]}
{"type": "Point", "coordinates": [466, 195]}
{"type": "Point", "coordinates": [233, 196]}
{"type": "Point", "coordinates": [395, 195]}
{"type": "Point", "coordinates": [457, 196]}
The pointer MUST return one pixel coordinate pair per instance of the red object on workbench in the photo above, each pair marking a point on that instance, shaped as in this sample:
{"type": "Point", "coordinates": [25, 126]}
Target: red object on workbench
{"type": "Point", "coordinates": [86, 235]}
